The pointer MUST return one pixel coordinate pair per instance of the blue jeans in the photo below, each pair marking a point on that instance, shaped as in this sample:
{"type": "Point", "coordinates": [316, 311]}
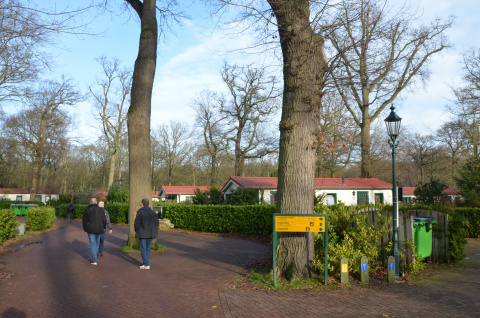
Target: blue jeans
{"type": "Point", "coordinates": [100, 246]}
{"type": "Point", "coordinates": [145, 248]}
{"type": "Point", "coordinates": [94, 242]}
{"type": "Point", "coordinates": [70, 218]}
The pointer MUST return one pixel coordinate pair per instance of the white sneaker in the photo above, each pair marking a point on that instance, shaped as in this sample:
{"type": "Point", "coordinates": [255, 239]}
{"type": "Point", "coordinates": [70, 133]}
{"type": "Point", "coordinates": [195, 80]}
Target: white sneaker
{"type": "Point", "coordinates": [144, 267]}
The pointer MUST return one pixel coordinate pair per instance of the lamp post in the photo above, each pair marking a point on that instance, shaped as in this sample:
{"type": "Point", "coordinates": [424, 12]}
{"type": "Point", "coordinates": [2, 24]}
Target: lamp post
{"type": "Point", "coordinates": [393, 129]}
{"type": "Point", "coordinates": [120, 181]}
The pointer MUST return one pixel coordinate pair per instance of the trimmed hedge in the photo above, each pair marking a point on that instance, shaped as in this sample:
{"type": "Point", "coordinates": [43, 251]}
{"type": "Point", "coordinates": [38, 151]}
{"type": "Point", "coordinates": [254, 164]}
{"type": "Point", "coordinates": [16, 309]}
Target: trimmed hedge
{"type": "Point", "coordinates": [247, 219]}
{"type": "Point", "coordinates": [8, 222]}
{"type": "Point", "coordinates": [472, 221]}
{"type": "Point", "coordinates": [40, 218]}
{"type": "Point", "coordinates": [118, 212]}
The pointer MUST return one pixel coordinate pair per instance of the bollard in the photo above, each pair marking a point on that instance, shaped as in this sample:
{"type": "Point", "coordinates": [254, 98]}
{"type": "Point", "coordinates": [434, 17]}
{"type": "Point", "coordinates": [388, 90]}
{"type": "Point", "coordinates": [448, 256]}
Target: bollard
{"type": "Point", "coordinates": [391, 269]}
{"type": "Point", "coordinates": [364, 270]}
{"type": "Point", "coordinates": [344, 270]}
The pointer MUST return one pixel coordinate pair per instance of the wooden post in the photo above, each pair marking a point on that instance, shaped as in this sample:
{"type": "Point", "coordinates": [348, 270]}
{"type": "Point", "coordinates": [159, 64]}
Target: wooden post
{"type": "Point", "coordinates": [344, 270]}
{"type": "Point", "coordinates": [364, 270]}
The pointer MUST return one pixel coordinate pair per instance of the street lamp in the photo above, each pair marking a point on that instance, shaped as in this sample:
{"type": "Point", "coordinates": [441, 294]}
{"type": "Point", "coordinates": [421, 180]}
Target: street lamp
{"type": "Point", "coordinates": [120, 181]}
{"type": "Point", "coordinates": [393, 129]}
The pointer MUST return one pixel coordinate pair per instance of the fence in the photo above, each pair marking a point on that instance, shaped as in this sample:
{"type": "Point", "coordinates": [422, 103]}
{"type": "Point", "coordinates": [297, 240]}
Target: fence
{"type": "Point", "coordinates": [405, 232]}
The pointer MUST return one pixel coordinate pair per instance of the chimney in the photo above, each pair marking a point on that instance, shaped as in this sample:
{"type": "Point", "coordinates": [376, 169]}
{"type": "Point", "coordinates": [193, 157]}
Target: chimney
{"type": "Point", "coordinates": [343, 180]}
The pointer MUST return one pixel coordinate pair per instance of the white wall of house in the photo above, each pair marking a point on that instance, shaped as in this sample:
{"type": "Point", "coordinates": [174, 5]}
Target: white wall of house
{"type": "Point", "coordinates": [26, 197]}
{"type": "Point", "coordinates": [350, 196]}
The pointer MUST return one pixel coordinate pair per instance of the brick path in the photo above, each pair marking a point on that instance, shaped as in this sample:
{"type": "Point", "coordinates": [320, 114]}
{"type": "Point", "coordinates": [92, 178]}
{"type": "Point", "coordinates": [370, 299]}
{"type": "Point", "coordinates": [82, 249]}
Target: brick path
{"type": "Point", "coordinates": [55, 279]}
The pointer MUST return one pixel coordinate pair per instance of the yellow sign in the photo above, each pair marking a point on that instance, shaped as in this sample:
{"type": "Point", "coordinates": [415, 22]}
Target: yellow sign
{"type": "Point", "coordinates": [300, 223]}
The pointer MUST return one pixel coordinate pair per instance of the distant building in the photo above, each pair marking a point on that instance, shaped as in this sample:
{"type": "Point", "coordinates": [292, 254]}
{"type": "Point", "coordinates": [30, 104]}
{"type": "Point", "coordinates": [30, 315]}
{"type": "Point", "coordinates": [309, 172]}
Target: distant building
{"type": "Point", "coordinates": [178, 193]}
{"type": "Point", "coordinates": [351, 191]}
{"type": "Point", "coordinates": [20, 194]}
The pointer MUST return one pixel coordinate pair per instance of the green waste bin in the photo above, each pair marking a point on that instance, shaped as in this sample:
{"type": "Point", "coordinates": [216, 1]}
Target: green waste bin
{"type": "Point", "coordinates": [17, 208]}
{"type": "Point", "coordinates": [422, 235]}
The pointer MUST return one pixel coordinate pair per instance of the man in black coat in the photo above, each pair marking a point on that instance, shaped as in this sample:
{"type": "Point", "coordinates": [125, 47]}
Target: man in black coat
{"type": "Point", "coordinates": [70, 211]}
{"type": "Point", "coordinates": [146, 229]}
{"type": "Point", "coordinates": [94, 223]}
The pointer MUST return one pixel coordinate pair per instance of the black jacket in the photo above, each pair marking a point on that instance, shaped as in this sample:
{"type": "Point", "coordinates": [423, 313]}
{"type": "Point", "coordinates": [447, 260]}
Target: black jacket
{"type": "Point", "coordinates": [146, 223]}
{"type": "Point", "coordinates": [71, 209]}
{"type": "Point", "coordinates": [94, 220]}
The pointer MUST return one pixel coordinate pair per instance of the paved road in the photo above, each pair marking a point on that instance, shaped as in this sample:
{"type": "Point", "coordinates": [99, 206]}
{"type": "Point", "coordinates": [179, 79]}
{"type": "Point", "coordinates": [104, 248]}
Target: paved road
{"type": "Point", "coordinates": [54, 278]}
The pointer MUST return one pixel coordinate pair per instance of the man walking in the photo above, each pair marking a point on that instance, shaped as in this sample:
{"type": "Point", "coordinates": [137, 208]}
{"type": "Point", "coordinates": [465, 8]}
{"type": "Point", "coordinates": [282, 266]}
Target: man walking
{"type": "Point", "coordinates": [146, 229]}
{"type": "Point", "coordinates": [101, 204]}
{"type": "Point", "coordinates": [94, 223]}
{"type": "Point", "coordinates": [70, 211]}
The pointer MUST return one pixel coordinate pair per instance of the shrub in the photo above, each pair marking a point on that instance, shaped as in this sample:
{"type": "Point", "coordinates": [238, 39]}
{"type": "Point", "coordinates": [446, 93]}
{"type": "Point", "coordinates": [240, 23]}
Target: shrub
{"type": "Point", "coordinates": [243, 196]}
{"type": "Point", "coordinates": [349, 236]}
{"type": "Point", "coordinates": [40, 218]}
{"type": "Point", "coordinates": [118, 212]}
{"type": "Point", "coordinates": [246, 219]}
{"type": "Point", "coordinates": [8, 222]}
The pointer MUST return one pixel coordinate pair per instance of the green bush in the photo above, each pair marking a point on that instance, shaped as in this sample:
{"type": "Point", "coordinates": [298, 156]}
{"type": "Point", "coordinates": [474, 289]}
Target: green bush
{"type": "Point", "coordinates": [40, 218]}
{"type": "Point", "coordinates": [246, 219]}
{"type": "Point", "coordinates": [8, 222]}
{"type": "Point", "coordinates": [349, 236]}
{"type": "Point", "coordinates": [118, 212]}
{"type": "Point", "coordinates": [472, 221]}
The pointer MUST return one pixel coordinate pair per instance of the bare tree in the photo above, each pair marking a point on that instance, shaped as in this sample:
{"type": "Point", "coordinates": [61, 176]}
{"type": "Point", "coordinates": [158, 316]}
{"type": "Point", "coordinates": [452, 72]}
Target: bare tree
{"type": "Point", "coordinates": [378, 54]}
{"type": "Point", "coordinates": [45, 123]}
{"type": "Point", "coordinates": [466, 106]}
{"type": "Point", "coordinates": [338, 137]}
{"type": "Point", "coordinates": [451, 136]}
{"type": "Point", "coordinates": [252, 100]}
{"type": "Point", "coordinates": [210, 120]}
{"type": "Point", "coordinates": [175, 146]}
{"type": "Point", "coordinates": [111, 95]}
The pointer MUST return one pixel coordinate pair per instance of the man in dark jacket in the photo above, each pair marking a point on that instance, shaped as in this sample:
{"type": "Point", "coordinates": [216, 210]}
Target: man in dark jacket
{"type": "Point", "coordinates": [146, 229]}
{"type": "Point", "coordinates": [70, 211]}
{"type": "Point", "coordinates": [94, 223]}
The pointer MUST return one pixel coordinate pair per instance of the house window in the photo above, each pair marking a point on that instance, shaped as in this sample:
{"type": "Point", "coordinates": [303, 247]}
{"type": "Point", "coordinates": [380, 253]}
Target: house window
{"type": "Point", "coordinates": [407, 200]}
{"type": "Point", "coordinates": [378, 198]}
{"type": "Point", "coordinates": [171, 198]}
{"type": "Point", "coordinates": [47, 198]}
{"type": "Point", "coordinates": [331, 198]}
{"type": "Point", "coordinates": [38, 197]}
{"type": "Point", "coordinates": [362, 197]}
{"type": "Point", "coordinates": [19, 198]}
{"type": "Point", "coordinates": [273, 197]}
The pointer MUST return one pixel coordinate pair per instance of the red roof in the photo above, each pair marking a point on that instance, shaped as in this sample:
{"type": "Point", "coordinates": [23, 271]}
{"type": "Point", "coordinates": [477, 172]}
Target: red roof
{"type": "Point", "coordinates": [451, 191]}
{"type": "Point", "coordinates": [183, 189]}
{"type": "Point", "coordinates": [27, 191]}
{"type": "Point", "coordinates": [320, 183]}
{"type": "Point", "coordinates": [408, 190]}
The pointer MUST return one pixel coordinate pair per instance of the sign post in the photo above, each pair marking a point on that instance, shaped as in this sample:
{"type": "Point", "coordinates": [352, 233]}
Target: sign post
{"type": "Point", "coordinates": [299, 223]}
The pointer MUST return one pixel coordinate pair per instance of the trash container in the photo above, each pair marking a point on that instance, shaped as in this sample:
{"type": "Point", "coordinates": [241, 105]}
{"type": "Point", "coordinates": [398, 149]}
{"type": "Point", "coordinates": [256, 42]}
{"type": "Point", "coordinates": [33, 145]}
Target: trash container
{"type": "Point", "coordinates": [29, 206]}
{"type": "Point", "coordinates": [422, 229]}
{"type": "Point", "coordinates": [17, 208]}
{"type": "Point", "coordinates": [158, 210]}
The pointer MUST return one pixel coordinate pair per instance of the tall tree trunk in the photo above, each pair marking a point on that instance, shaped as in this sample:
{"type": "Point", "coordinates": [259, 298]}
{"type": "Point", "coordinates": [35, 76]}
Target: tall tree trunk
{"type": "Point", "coordinates": [213, 171]}
{"type": "Point", "coordinates": [365, 144]}
{"type": "Point", "coordinates": [140, 111]}
{"type": "Point", "coordinates": [304, 63]}
{"type": "Point", "coordinates": [111, 173]}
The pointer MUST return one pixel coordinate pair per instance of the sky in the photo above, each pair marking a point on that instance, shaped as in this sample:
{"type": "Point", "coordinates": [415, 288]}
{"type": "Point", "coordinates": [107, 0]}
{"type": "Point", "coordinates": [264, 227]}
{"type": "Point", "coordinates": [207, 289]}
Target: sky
{"type": "Point", "coordinates": [191, 60]}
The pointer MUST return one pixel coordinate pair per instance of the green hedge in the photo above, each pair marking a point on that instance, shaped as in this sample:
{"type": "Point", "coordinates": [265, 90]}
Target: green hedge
{"type": "Point", "coordinates": [472, 221]}
{"type": "Point", "coordinates": [6, 204]}
{"type": "Point", "coordinates": [8, 222]}
{"type": "Point", "coordinates": [247, 219]}
{"type": "Point", "coordinates": [40, 218]}
{"type": "Point", "coordinates": [118, 212]}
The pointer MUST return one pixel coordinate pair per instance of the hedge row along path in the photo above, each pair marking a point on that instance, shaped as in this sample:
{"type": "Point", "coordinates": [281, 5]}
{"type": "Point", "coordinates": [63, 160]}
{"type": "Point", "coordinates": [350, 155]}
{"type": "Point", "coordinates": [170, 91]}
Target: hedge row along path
{"type": "Point", "coordinates": [52, 277]}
